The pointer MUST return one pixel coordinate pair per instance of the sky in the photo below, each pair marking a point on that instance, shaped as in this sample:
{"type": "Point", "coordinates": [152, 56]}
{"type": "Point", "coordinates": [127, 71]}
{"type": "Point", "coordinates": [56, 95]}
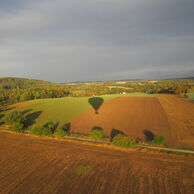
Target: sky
{"type": "Point", "coordinates": [89, 40]}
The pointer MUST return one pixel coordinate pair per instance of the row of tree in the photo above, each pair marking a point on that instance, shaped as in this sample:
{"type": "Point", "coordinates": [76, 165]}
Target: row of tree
{"type": "Point", "coordinates": [19, 95]}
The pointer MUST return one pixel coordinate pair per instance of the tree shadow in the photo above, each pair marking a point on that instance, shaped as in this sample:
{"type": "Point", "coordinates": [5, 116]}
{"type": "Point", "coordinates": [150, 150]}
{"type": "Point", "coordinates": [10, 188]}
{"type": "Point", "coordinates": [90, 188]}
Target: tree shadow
{"type": "Point", "coordinates": [1, 116]}
{"type": "Point", "coordinates": [52, 125]}
{"type": "Point", "coordinates": [31, 118]}
{"type": "Point", "coordinates": [1, 119]}
{"type": "Point", "coordinates": [149, 136]}
{"type": "Point", "coordinates": [97, 128]}
{"type": "Point", "coordinates": [68, 126]}
{"type": "Point", "coordinates": [96, 103]}
{"type": "Point", "coordinates": [115, 132]}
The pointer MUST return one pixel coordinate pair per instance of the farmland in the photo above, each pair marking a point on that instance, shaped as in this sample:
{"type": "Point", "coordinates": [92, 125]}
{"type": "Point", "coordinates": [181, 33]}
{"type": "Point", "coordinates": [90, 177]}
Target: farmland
{"type": "Point", "coordinates": [129, 115]}
{"type": "Point", "coordinates": [60, 109]}
{"type": "Point", "coordinates": [31, 164]}
{"type": "Point", "coordinates": [141, 116]}
{"type": "Point", "coordinates": [48, 166]}
{"type": "Point", "coordinates": [191, 96]}
{"type": "Point", "coordinates": [180, 113]}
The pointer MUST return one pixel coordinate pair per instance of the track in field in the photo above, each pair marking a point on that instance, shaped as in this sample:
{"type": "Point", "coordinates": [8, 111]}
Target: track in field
{"type": "Point", "coordinates": [37, 165]}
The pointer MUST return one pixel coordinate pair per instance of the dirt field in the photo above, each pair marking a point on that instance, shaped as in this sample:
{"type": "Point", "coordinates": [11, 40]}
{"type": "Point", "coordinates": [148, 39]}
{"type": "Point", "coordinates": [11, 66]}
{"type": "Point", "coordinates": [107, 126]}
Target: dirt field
{"type": "Point", "coordinates": [37, 165]}
{"type": "Point", "coordinates": [139, 117]}
{"type": "Point", "coordinates": [180, 113]}
{"type": "Point", "coordinates": [142, 118]}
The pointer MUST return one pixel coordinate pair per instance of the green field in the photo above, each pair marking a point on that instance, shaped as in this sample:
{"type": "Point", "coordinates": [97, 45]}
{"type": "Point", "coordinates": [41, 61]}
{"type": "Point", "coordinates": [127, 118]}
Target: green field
{"type": "Point", "coordinates": [60, 109]}
{"type": "Point", "coordinates": [191, 95]}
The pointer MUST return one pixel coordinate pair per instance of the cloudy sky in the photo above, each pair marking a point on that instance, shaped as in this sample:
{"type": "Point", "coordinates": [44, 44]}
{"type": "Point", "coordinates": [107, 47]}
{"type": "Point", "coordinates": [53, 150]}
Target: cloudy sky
{"type": "Point", "coordinates": [71, 40]}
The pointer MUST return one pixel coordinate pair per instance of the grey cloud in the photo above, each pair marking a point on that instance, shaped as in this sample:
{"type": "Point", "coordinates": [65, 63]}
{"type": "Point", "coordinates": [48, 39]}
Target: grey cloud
{"type": "Point", "coordinates": [91, 40]}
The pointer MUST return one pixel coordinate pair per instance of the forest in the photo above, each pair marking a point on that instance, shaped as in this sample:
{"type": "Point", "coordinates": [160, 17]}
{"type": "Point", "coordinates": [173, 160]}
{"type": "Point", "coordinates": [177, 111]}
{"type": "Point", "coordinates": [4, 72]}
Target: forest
{"type": "Point", "coordinates": [14, 90]}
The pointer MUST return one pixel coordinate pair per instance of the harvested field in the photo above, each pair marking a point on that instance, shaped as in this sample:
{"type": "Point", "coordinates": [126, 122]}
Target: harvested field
{"type": "Point", "coordinates": [37, 165]}
{"type": "Point", "coordinates": [180, 113]}
{"type": "Point", "coordinates": [139, 117]}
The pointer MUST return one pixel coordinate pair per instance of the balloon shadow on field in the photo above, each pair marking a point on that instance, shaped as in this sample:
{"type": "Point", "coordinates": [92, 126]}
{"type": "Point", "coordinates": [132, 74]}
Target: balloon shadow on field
{"type": "Point", "coordinates": [96, 103]}
{"type": "Point", "coordinates": [114, 133]}
{"type": "Point", "coordinates": [149, 136]}
{"type": "Point", "coordinates": [31, 118]}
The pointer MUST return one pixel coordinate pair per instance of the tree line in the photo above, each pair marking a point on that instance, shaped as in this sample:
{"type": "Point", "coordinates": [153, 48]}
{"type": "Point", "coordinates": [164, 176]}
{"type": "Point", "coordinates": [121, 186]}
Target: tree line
{"type": "Point", "coordinates": [13, 90]}
{"type": "Point", "coordinates": [19, 95]}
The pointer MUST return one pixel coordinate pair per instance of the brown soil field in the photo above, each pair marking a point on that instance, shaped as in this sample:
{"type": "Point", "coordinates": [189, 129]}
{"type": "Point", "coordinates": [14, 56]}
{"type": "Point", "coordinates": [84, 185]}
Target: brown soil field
{"type": "Point", "coordinates": [142, 118]}
{"type": "Point", "coordinates": [37, 165]}
{"type": "Point", "coordinates": [139, 117]}
{"type": "Point", "coordinates": [180, 113]}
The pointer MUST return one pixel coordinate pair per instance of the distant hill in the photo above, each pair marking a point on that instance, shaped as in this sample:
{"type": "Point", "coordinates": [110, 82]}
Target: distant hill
{"type": "Point", "coordinates": [179, 78]}
{"type": "Point", "coordinates": [192, 78]}
{"type": "Point", "coordinates": [22, 83]}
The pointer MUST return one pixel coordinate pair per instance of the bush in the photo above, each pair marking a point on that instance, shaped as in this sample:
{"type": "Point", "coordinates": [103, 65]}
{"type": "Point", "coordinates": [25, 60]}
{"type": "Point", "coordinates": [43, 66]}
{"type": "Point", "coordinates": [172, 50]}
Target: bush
{"type": "Point", "coordinates": [97, 134]}
{"type": "Point", "coordinates": [36, 130]}
{"type": "Point", "coordinates": [158, 139]}
{"type": "Point", "coordinates": [17, 127]}
{"type": "Point", "coordinates": [123, 141]}
{"type": "Point", "coordinates": [50, 125]}
{"type": "Point", "coordinates": [41, 131]}
{"type": "Point", "coordinates": [14, 116]}
{"type": "Point", "coordinates": [60, 132]}
{"type": "Point", "coordinates": [46, 131]}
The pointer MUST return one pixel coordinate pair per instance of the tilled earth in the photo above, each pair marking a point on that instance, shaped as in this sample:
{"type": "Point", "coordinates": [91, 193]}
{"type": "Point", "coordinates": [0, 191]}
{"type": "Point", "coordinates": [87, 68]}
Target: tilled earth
{"type": "Point", "coordinates": [38, 165]}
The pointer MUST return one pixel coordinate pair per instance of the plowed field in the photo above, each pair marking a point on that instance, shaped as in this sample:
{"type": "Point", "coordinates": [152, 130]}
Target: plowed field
{"type": "Point", "coordinates": [180, 113]}
{"type": "Point", "coordinates": [142, 118]}
{"type": "Point", "coordinates": [37, 165]}
{"type": "Point", "coordinates": [132, 116]}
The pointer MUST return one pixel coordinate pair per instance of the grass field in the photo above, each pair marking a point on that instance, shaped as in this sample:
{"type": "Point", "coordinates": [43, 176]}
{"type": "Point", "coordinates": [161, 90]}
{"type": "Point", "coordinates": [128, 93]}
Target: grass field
{"type": "Point", "coordinates": [60, 109]}
{"type": "Point", "coordinates": [38, 165]}
{"type": "Point", "coordinates": [191, 95]}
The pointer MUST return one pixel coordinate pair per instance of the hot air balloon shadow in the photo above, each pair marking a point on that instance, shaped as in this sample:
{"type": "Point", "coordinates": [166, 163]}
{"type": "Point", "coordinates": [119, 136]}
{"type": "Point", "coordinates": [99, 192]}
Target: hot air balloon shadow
{"type": "Point", "coordinates": [96, 103]}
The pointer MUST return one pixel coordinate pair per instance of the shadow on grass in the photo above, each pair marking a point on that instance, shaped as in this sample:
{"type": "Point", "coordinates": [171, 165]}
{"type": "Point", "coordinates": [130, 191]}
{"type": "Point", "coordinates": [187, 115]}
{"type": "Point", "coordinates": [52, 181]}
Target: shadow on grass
{"type": "Point", "coordinates": [1, 119]}
{"type": "Point", "coordinates": [31, 118]}
{"type": "Point", "coordinates": [68, 126]}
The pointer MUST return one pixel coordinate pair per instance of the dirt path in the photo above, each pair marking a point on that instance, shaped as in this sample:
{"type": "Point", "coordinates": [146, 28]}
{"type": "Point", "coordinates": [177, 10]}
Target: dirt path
{"type": "Point", "coordinates": [167, 149]}
{"type": "Point", "coordinates": [36, 165]}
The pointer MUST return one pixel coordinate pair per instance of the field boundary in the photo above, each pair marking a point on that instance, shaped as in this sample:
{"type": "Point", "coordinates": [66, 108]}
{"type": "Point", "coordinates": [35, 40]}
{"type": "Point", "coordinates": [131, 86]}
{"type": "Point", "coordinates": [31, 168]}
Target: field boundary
{"type": "Point", "coordinates": [161, 149]}
{"type": "Point", "coordinates": [167, 149]}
